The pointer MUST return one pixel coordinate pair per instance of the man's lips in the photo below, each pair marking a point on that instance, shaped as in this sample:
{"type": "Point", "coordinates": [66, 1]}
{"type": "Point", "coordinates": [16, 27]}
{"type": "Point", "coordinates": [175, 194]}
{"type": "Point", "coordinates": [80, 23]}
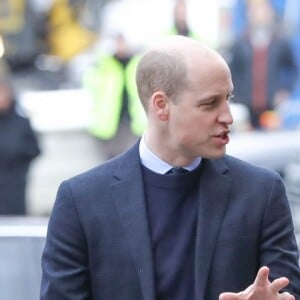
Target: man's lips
{"type": "Point", "coordinates": [222, 137]}
{"type": "Point", "coordinates": [222, 133]}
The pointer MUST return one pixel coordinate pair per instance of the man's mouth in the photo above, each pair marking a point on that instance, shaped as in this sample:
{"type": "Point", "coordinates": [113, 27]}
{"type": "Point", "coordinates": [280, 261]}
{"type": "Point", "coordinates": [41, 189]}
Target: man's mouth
{"type": "Point", "coordinates": [222, 137]}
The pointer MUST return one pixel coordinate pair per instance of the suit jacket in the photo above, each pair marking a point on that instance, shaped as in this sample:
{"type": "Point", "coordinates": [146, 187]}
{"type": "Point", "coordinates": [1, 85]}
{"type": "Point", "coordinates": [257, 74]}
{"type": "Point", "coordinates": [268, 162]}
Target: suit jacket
{"type": "Point", "coordinates": [98, 243]}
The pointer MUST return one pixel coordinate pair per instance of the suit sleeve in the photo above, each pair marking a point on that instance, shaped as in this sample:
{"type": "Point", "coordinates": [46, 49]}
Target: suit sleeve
{"type": "Point", "coordinates": [65, 273]}
{"type": "Point", "coordinates": [278, 244]}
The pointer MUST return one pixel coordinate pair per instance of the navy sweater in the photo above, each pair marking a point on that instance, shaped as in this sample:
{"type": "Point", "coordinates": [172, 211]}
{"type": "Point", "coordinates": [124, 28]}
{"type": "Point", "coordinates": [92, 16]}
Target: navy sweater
{"type": "Point", "coordinates": [172, 202]}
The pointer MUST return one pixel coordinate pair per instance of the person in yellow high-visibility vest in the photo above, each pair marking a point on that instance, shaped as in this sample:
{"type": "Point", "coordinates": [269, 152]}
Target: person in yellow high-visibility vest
{"type": "Point", "coordinates": [117, 115]}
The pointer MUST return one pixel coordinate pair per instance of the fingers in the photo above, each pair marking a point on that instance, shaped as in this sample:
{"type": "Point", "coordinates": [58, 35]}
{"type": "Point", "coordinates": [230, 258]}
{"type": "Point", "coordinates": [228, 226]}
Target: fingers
{"type": "Point", "coordinates": [278, 284]}
{"type": "Point", "coordinates": [262, 277]}
{"type": "Point", "coordinates": [262, 280]}
{"type": "Point", "coordinates": [262, 288]}
{"type": "Point", "coordinates": [238, 296]}
{"type": "Point", "coordinates": [229, 296]}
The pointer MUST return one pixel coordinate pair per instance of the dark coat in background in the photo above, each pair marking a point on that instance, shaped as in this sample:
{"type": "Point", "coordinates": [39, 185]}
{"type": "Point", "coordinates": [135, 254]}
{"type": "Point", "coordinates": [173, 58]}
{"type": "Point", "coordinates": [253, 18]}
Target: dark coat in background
{"type": "Point", "coordinates": [281, 74]}
{"type": "Point", "coordinates": [281, 70]}
{"type": "Point", "coordinates": [18, 147]}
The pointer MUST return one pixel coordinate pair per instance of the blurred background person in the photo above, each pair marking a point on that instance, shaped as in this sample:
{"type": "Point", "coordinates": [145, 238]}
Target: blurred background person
{"type": "Point", "coordinates": [117, 115]}
{"type": "Point", "coordinates": [180, 23]}
{"type": "Point", "coordinates": [287, 12]}
{"type": "Point", "coordinates": [23, 30]}
{"type": "Point", "coordinates": [239, 13]}
{"type": "Point", "coordinates": [68, 35]}
{"type": "Point", "coordinates": [18, 147]}
{"type": "Point", "coordinates": [180, 20]}
{"type": "Point", "coordinates": [291, 19]}
{"type": "Point", "coordinates": [20, 24]}
{"type": "Point", "coordinates": [263, 66]}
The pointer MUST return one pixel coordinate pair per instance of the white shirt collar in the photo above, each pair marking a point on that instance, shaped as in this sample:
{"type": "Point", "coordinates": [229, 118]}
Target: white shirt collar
{"type": "Point", "coordinates": [157, 165]}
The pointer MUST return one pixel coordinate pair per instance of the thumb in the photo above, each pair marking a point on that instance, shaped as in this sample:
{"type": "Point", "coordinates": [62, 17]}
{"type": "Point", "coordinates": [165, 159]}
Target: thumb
{"type": "Point", "coordinates": [229, 296]}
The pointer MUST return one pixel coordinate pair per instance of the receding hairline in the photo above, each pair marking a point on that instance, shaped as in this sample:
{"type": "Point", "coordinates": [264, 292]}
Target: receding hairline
{"type": "Point", "coordinates": [183, 45]}
{"type": "Point", "coordinates": [187, 52]}
{"type": "Point", "coordinates": [189, 49]}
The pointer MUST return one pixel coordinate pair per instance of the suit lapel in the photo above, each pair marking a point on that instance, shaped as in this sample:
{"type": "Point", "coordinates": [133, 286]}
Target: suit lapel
{"type": "Point", "coordinates": [128, 194]}
{"type": "Point", "coordinates": [214, 194]}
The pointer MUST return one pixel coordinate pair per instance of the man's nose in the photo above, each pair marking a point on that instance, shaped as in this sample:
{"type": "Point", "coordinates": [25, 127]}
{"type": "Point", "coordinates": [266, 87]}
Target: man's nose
{"type": "Point", "coordinates": [226, 115]}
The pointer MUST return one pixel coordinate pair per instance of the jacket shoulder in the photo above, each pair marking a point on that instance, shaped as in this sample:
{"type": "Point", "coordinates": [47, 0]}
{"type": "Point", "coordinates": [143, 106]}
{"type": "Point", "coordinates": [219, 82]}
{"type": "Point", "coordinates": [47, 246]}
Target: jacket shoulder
{"type": "Point", "coordinates": [105, 174]}
{"type": "Point", "coordinates": [243, 168]}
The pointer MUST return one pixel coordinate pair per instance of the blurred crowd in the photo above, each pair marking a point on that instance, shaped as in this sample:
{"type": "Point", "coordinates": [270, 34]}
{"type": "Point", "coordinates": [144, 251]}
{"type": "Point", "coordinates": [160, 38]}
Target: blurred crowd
{"type": "Point", "coordinates": [263, 62]}
{"type": "Point", "coordinates": [42, 41]}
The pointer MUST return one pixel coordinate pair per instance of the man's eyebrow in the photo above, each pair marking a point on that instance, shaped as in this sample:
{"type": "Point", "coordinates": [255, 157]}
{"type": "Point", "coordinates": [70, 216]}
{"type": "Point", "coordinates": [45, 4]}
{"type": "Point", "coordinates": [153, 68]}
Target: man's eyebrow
{"type": "Point", "coordinates": [207, 98]}
{"type": "Point", "coordinates": [214, 96]}
{"type": "Point", "coordinates": [210, 96]}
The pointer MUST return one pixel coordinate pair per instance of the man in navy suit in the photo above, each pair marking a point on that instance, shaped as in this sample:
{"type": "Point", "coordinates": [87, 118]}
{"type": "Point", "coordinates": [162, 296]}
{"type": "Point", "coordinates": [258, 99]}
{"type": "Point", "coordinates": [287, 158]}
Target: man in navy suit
{"type": "Point", "coordinates": [174, 217]}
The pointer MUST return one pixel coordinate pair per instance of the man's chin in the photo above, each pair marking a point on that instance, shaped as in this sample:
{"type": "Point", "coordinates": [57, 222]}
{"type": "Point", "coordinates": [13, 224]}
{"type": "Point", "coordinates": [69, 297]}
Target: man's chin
{"type": "Point", "coordinates": [215, 154]}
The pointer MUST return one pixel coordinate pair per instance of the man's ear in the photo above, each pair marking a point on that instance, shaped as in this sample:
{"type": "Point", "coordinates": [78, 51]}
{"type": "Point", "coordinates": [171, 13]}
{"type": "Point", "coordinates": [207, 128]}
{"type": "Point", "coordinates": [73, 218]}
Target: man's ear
{"type": "Point", "coordinates": [160, 103]}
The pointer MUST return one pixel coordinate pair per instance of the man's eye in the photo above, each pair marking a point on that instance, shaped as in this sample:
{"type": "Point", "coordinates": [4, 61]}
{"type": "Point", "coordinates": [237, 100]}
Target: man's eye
{"type": "Point", "coordinates": [210, 103]}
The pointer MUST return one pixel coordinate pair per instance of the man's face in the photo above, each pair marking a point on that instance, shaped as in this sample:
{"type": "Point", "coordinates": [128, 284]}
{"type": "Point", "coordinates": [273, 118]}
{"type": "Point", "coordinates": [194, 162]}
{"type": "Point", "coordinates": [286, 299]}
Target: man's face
{"type": "Point", "coordinates": [200, 118]}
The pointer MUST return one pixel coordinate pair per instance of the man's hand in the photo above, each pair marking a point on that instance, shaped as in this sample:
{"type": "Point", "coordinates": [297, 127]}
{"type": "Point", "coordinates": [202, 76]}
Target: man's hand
{"type": "Point", "coordinates": [262, 289]}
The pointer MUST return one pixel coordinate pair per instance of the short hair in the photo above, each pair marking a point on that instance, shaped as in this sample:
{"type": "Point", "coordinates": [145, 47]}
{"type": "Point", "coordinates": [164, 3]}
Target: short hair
{"type": "Point", "coordinates": [160, 71]}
